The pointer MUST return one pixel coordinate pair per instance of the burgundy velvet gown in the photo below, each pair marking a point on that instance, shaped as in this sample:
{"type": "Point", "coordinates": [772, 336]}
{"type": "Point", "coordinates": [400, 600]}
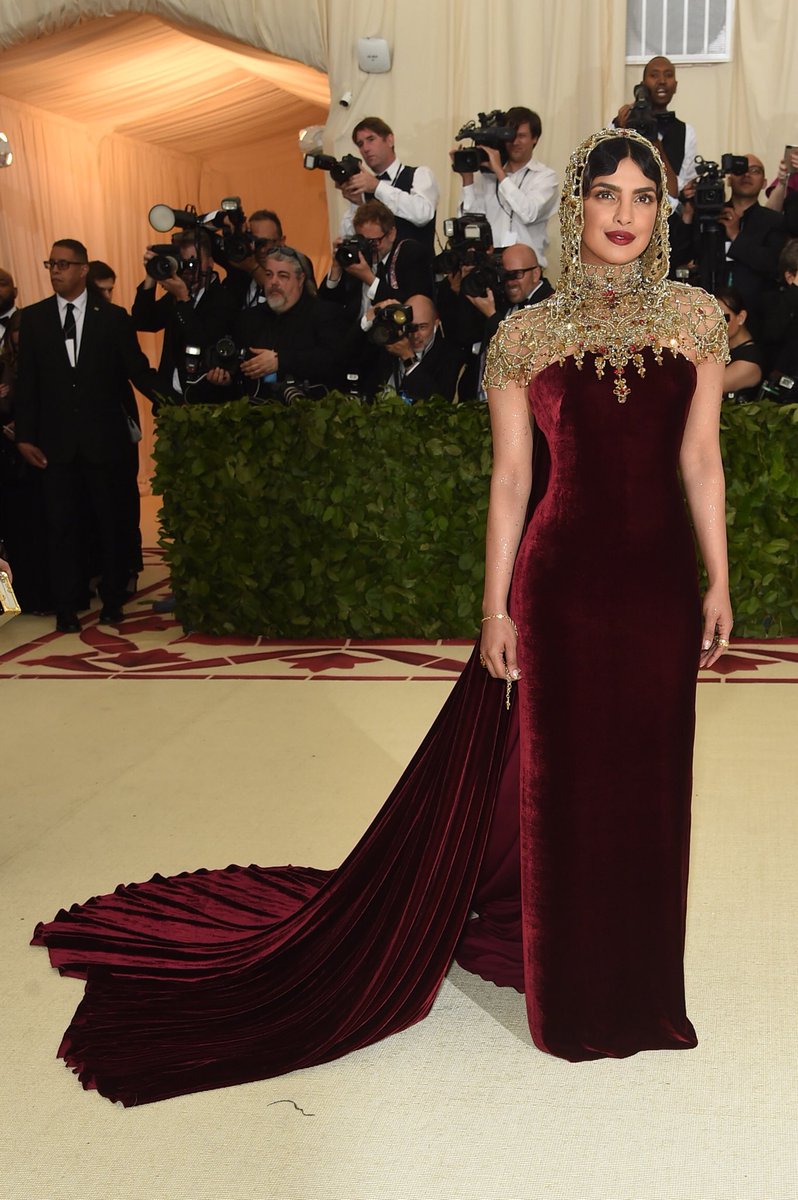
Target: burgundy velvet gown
{"type": "Point", "coordinates": [563, 824]}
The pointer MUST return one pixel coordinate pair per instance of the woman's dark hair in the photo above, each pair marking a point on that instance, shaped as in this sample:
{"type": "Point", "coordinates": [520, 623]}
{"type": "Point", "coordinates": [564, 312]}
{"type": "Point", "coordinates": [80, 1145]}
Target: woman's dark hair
{"type": "Point", "coordinates": [788, 259]}
{"type": "Point", "coordinates": [604, 159]}
{"type": "Point", "coordinates": [731, 298]}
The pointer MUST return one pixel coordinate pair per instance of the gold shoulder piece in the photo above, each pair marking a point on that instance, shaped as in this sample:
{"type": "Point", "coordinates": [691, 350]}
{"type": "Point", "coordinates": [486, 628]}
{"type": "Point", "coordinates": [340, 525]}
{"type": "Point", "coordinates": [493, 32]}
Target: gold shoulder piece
{"type": "Point", "coordinates": [703, 329]}
{"type": "Point", "coordinates": [518, 348]}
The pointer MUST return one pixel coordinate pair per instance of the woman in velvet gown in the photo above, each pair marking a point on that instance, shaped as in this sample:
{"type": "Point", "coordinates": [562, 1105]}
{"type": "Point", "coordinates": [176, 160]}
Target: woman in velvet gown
{"type": "Point", "coordinates": [541, 832]}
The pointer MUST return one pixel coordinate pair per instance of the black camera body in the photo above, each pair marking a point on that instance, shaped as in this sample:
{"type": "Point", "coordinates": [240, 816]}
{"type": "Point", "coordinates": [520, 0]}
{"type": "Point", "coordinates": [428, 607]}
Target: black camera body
{"type": "Point", "coordinates": [392, 322]}
{"type": "Point", "coordinates": [168, 262]}
{"type": "Point", "coordinates": [469, 240]}
{"type": "Point", "coordinates": [487, 276]}
{"type": "Point", "coordinates": [641, 115]}
{"type": "Point", "coordinates": [340, 169]}
{"type": "Point", "coordinates": [489, 129]}
{"type": "Point", "coordinates": [350, 250]}
{"type": "Point", "coordinates": [710, 193]}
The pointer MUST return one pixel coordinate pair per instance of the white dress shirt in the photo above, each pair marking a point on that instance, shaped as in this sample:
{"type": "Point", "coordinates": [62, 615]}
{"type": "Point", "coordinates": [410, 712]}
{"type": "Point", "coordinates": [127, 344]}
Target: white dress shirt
{"type": "Point", "coordinates": [417, 206]}
{"type": "Point", "coordinates": [519, 207]}
{"type": "Point", "coordinates": [79, 312]}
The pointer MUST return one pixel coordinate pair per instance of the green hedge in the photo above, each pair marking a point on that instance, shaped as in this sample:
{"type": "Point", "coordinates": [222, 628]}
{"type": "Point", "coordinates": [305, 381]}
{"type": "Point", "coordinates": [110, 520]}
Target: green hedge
{"type": "Point", "coordinates": [332, 518]}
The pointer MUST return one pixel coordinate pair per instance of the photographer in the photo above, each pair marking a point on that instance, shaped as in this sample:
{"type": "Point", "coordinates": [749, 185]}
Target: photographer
{"type": "Point", "coordinates": [752, 234]}
{"type": "Point", "coordinates": [410, 193]}
{"type": "Point", "coordinates": [376, 264]}
{"type": "Point", "coordinates": [649, 114]}
{"type": "Point", "coordinates": [524, 284]}
{"type": "Point", "coordinates": [293, 336]}
{"type": "Point", "coordinates": [194, 313]}
{"type": "Point", "coordinates": [518, 195]}
{"type": "Point", "coordinates": [266, 231]}
{"type": "Point", "coordinates": [422, 363]}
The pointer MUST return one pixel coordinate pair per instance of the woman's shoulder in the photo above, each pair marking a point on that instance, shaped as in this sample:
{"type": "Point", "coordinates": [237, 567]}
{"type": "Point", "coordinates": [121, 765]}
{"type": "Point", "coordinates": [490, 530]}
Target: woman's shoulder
{"type": "Point", "coordinates": [699, 324]}
{"type": "Point", "coordinates": [518, 349]}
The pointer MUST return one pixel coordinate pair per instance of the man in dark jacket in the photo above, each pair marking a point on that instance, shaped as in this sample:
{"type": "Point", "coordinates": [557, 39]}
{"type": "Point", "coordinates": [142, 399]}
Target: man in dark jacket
{"type": "Point", "coordinates": [292, 336]}
{"type": "Point", "coordinates": [421, 365]}
{"type": "Point", "coordinates": [76, 355]}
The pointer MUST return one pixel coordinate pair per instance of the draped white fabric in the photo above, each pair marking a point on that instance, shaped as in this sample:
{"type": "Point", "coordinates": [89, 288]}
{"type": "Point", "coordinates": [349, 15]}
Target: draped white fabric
{"type": "Point", "coordinates": [189, 100]}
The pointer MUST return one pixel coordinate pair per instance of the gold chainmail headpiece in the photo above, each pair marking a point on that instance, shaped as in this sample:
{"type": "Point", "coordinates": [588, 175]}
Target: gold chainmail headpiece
{"type": "Point", "coordinates": [612, 312]}
{"type": "Point", "coordinates": [578, 282]}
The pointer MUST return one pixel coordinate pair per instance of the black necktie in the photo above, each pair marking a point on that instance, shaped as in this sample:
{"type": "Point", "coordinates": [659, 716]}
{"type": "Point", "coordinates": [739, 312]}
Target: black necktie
{"type": "Point", "coordinates": [70, 332]}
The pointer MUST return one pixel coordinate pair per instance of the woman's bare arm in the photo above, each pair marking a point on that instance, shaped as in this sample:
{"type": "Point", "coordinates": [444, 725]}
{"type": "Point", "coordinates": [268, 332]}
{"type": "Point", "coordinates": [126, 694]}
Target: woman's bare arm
{"type": "Point", "coordinates": [704, 485]}
{"type": "Point", "coordinates": [510, 485]}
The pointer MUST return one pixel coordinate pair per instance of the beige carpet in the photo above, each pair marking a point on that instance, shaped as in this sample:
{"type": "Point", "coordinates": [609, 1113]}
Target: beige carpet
{"type": "Point", "coordinates": [108, 783]}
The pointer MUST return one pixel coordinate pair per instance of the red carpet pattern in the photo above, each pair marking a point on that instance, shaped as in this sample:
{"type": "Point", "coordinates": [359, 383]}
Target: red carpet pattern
{"type": "Point", "coordinates": [149, 645]}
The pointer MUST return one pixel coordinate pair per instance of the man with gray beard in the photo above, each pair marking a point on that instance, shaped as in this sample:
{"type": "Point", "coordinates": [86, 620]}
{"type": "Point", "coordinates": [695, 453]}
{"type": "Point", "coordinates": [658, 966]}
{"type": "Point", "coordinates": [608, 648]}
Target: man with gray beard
{"type": "Point", "coordinates": [293, 335]}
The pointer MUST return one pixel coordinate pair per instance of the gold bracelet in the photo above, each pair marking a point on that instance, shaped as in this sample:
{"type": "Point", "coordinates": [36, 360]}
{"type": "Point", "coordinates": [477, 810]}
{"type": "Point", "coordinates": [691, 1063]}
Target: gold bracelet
{"type": "Point", "coordinates": [501, 617]}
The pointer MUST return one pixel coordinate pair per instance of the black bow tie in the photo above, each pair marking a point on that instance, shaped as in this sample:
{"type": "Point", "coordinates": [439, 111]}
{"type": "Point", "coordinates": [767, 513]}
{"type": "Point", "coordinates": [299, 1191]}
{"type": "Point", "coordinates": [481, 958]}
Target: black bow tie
{"type": "Point", "coordinates": [384, 176]}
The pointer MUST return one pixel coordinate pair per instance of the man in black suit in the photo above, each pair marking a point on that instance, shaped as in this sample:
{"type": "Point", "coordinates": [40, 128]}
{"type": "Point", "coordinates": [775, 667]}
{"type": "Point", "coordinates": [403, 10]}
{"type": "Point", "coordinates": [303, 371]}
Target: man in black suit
{"type": "Point", "coordinates": [396, 269]}
{"type": "Point", "coordinates": [421, 365]}
{"type": "Point", "coordinates": [195, 311]}
{"type": "Point", "coordinates": [76, 355]}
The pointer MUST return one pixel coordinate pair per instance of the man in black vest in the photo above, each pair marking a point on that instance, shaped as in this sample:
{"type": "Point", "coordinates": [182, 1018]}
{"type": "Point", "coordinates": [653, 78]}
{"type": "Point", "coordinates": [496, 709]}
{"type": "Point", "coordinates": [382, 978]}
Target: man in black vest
{"type": "Point", "coordinates": [77, 353]}
{"type": "Point", "coordinates": [411, 193]}
{"type": "Point", "coordinates": [676, 139]}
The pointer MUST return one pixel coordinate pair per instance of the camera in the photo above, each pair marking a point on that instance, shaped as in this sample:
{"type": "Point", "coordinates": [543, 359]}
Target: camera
{"type": "Point", "coordinates": [226, 354]}
{"type": "Point", "coordinates": [710, 194]}
{"type": "Point", "coordinates": [391, 323]}
{"type": "Point", "coordinates": [710, 201]}
{"type": "Point", "coordinates": [469, 238]}
{"type": "Point", "coordinates": [487, 276]}
{"type": "Point", "coordinates": [340, 169]}
{"type": "Point", "coordinates": [641, 115]}
{"type": "Point", "coordinates": [350, 250]}
{"type": "Point", "coordinates": [168, 262]}
{"type": "Point", "coordinates": [489, 129]}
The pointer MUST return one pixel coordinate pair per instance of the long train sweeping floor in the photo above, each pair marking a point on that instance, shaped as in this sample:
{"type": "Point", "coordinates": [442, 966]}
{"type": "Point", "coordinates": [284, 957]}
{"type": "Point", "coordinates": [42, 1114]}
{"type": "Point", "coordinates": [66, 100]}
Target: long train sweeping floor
{"type": "Point", "coordinates": [221, 762]}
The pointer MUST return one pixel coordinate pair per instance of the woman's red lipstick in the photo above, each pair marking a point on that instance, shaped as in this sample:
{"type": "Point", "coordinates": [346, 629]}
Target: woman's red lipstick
{"type": "Point", "coordinates": [619, 237]}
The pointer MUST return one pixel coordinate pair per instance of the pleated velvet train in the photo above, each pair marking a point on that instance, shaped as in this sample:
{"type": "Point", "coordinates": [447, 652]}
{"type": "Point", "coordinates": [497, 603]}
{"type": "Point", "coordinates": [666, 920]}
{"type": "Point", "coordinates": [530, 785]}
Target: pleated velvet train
{"type": "Point", "coordinates": [546, 847]}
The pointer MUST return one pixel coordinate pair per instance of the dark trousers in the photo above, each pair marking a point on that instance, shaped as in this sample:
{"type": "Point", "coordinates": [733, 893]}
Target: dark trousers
{"type": "Point", "coordinates": [105, 485]}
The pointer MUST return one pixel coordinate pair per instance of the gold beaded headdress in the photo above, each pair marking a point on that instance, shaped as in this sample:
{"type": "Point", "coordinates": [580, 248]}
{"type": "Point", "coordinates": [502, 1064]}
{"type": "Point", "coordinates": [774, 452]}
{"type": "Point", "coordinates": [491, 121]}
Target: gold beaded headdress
{"type": "Point", "coordinates": [654, 259]}
{"type": "Point", "coordinates": [614, 313]}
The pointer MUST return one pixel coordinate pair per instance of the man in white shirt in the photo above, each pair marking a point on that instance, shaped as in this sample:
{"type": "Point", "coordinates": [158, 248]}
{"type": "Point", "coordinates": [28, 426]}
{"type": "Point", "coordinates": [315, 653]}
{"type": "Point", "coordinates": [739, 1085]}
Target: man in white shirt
{"type": "Point", "coordinates": [517, 196]}
{"type": "Point", "coordinates": [411, 193]}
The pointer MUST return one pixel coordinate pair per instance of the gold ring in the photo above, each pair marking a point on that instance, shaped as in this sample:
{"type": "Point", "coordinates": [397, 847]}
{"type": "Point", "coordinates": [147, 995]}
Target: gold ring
{"type": "Point", "coordinates": [482, 662]}
{"type": "Point", "coordinates": [723, 642]}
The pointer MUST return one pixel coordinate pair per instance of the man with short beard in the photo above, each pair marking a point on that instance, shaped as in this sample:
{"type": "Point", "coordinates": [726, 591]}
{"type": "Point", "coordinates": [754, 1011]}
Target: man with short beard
{"type": "Point", "coordinates": [293, 335]}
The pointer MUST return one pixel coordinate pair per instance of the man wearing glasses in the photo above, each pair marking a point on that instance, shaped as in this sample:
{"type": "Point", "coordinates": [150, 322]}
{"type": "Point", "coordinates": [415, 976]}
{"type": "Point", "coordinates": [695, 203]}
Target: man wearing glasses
{"type": "Point", "coordinates": [398, 268]}
{"type": "Point", "coordinates": [77, 353]}
{"type": "Point", "coordinates": [754, 237]}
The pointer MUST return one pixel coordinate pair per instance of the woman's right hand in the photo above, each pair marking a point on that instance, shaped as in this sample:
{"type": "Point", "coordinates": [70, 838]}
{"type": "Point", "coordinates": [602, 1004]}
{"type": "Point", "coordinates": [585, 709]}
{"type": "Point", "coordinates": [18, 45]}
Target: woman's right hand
{"type": "Point", "coordinates": [498, 648]}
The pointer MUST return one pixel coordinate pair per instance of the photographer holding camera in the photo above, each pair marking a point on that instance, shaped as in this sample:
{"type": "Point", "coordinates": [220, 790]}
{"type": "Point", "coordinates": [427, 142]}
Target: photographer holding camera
{"type": "Point", "coordinates": [516, 193]}
{"type": "Point", "coordinates": [410, 193]}
{"type": "Point", "coordinates": [649, 115]}
{"type": "Point", "coordinates": [292, 337]}
{"type": "Point", "coordinates": [415, 359]}
{"type": "Point", "coordinates": [375, 264]}
{"type": "Point", "coordinates": [194, 312]}
{"type": "Point", "coordinates": [264, 230]}
{"type": "Point", "coordinates": [753, 235]}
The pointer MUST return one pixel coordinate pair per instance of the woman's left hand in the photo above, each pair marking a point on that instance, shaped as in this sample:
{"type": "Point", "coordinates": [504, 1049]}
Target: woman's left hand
{"type": "Point", "coordinates": [718, 621]}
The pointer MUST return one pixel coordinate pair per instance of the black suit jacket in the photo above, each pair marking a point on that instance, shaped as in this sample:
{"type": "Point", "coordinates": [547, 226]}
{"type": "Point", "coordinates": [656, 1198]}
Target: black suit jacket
{"type": "Point", "coordinates": [492, 324]}
{"type": "Point", "coordinates": [185, 324]}
{"type": "Point", "coordinates": [406, 272]}
{"type": "Point", "coordinates": [68, 410]}
{"type": "Point", "coordinates": [435, 375]}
